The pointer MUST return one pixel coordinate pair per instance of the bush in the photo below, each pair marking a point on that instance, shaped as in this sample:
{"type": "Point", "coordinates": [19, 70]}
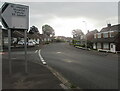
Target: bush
{"type": "Point", "coordinates": [82, 45]}
{"type": "Point", "coordinates": [59, 40]}
{"type": "Point", "coordinates": [47, 42]}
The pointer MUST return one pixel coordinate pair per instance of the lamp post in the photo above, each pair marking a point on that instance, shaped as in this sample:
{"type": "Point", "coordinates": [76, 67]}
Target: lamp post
{"type": "Point", "coordinates": [86, 33]}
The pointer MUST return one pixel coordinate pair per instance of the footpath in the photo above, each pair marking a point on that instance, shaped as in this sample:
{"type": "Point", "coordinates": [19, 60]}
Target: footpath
{"type": "Point", "coordinates": [38, 76]}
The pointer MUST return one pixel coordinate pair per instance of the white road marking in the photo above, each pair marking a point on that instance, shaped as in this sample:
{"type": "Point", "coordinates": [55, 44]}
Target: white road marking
{"type": "Point", "coordinates": [36, 51]}
{"type": "Point", "coordinates": [63, 86]}
{"type": "Point", "coordinates": [41, 58]}
{"type": "Point", "coordinates": [68, 60]}
{"type": "Point", "coordinates": [58, 52]}
{"type": "Point", "coordinates": [44, 62]}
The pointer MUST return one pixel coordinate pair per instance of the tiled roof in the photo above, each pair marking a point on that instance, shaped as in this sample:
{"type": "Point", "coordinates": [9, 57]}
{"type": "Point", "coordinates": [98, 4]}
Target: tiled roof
{"type": "Point", "coordinates": [111, 28]}
{"type": "Point", "coordinates": [92, 32]}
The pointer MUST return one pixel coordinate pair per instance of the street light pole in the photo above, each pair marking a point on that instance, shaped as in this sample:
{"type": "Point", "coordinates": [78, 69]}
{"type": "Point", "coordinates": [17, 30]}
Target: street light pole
{"type": "Point", "coordinates": [86, 34]}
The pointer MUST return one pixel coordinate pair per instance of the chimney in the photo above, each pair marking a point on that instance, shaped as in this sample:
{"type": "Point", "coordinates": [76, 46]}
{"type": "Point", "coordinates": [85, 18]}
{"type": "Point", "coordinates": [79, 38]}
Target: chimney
{"type": "Point", "coordinates": [109, 25]}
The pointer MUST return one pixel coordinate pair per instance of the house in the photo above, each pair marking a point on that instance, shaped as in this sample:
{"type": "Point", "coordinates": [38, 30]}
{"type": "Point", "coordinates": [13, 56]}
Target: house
{"type": "Point", "coordinates": [34, 37]}
{"type": "Point", "coordinates": [69, 39]}
{"type": "Point", "coordinates": [90, 37]}
{"type": "Point", "coordinates": [79, 37]}
{"type": "Point", "coordinates": [16, 35]}
{"type": "Point", "coordinates": [45, 38]}
{"type": "Point", "coordinates": [108, 39]}
{"type": "Point", "coordinates": [62, 38]}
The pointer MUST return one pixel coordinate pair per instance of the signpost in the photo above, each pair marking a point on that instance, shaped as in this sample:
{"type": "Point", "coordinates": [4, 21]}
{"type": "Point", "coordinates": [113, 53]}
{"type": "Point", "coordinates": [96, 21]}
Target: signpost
{"type": "Point", "coordinates": [15, 16]}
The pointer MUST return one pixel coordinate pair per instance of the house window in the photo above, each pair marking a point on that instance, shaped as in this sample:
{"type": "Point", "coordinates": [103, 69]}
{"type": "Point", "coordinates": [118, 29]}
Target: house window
{"type": "Point", "coordinates": [105, 35]}
{"type": "Point", "coordinates": [113, 33]}
{"type": "Point", "coordinates": [82, 37]}
{"type": "Point", "coordinates": [99, 35]}
{"type": "Point", "coordinates": [95, 36]}
{"type": "Point", "coordinates": [105, 46]}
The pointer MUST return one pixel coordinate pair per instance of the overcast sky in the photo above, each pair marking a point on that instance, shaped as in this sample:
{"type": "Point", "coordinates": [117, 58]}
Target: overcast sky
{"type": "Point", "coordinates": [66, 16]}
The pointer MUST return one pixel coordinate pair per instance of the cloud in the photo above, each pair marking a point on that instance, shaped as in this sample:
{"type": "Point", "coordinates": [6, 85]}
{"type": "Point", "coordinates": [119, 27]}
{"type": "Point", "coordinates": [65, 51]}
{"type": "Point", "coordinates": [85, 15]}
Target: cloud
{"type": "Point", "coordinates": [93, 10]}
{"type": "Point", "coordinates": [96, 13]}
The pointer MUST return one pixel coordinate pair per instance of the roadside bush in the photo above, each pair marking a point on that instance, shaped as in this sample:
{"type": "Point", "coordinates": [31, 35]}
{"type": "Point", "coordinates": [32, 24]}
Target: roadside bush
{"type": "Point", "coordinates": [47, 42]}
{"type": "Point", "coordinates": [82, 45]}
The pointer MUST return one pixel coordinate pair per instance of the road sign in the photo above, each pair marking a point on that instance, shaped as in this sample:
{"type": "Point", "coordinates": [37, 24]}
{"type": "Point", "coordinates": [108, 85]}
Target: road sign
{"type": "Point", "coordinates": [15, 16]}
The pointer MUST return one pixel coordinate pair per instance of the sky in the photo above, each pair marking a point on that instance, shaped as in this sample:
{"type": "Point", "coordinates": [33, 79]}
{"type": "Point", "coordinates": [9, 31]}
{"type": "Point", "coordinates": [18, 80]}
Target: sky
{"type": "Point", "coordinates": [64, 17]}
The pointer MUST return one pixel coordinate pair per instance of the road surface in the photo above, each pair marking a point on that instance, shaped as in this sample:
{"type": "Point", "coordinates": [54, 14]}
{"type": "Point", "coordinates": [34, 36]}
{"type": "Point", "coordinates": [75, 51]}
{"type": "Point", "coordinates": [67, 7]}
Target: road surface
{"type": "Point", "coordinates": [86, 69]}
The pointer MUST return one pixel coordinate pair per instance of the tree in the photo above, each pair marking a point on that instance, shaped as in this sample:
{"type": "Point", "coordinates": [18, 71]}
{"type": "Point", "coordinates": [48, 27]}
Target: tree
{"type": "Point", "coordinates": [48, 30]}
{"type": "Point", "coordinates": [77, 32]}
{"type": "Point", "coordinates": [33, 30]}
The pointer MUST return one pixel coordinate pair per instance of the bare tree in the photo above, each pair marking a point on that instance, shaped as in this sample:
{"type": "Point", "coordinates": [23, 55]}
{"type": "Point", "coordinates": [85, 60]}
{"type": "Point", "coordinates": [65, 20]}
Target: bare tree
{"type": "Point", "coordinates": [77, 32]}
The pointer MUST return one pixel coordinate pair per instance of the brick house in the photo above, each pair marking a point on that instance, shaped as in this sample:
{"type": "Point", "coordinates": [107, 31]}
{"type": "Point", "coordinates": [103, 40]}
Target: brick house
{"type": "Point", "coordinates": [108, 39]}
{"type": "Point", "coordinates": [90, 37]}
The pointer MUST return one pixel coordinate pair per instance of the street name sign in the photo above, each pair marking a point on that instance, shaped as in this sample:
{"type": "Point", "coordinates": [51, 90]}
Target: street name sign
{"type": "Point", "coordinates": [15, 16]}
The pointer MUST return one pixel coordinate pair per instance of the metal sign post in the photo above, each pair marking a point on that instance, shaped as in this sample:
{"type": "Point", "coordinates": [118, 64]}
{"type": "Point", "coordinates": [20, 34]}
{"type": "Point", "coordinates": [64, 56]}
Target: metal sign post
{"type": "Point", "coordinates": [9, 51]}
{"type": "Point", "coordinates": [15, 16]}
{"type": "Point", "coordinates": [1, 57]}
{"type": "Point", "coordinates": [25, 38]}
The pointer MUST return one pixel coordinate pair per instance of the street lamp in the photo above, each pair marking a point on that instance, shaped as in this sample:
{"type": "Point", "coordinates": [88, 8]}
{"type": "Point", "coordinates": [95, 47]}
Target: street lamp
{"type": "Point", "coordinates": [86, 33]}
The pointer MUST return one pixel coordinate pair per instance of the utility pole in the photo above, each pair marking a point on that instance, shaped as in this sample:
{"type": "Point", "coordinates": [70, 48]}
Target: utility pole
{"type": "Point", "coordinates": [86, 34]}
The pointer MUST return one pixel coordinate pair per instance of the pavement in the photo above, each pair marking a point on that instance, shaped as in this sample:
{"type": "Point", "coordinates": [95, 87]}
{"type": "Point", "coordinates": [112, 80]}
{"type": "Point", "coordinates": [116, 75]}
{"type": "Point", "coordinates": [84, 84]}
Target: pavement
{"type": "Point", "coordinates": [37, 77]}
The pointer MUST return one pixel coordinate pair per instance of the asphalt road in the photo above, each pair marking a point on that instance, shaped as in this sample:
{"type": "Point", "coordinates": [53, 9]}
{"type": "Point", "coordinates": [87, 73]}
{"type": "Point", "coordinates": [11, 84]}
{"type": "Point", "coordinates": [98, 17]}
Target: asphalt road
{"type": "Point", "coordinates": [86, 69]}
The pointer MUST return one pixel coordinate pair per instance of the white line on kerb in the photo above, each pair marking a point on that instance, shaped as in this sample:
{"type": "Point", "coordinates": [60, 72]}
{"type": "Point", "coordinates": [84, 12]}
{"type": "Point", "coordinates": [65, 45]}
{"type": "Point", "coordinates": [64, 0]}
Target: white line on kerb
{"type": "Point", "coordinates": [41, 58]}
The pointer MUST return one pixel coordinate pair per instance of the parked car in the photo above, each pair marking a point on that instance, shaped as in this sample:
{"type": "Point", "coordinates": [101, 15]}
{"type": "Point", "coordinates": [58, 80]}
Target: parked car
{"type": "Point", "coordinates": [21, 43]}
{"type": "Point", "coordinates": [37, 42]}
{"type": "Point", "coordinates": [30, 43]}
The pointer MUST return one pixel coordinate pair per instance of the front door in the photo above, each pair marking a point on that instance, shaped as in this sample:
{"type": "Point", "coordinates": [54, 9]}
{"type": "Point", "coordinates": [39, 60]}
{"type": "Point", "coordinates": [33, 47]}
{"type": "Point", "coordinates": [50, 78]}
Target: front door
{"type": "Point", "coordinates": [112, 47]}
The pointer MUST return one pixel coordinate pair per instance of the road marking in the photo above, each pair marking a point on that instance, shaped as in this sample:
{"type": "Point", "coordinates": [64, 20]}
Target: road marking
{"type": "Point", "coordinates": [41, 58]}
{"type": "Point", "coordinates": [58, 52]}
{"type": "Point", "coordinates": [63, 86]}
{"type": "Point", "coordinates": [36, 51]}
{"type": "Point", "coordinates": [44, 62]}
{"type": "Point", "coordinates": [67, 60]}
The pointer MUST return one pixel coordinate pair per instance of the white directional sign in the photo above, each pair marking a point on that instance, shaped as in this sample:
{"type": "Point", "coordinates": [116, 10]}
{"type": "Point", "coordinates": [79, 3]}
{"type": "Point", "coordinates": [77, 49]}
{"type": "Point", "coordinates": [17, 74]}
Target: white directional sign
{"type": "Point", "coordinates": [15, 16]}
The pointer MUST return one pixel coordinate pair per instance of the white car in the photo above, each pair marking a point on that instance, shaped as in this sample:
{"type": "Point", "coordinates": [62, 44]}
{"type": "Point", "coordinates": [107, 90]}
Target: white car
{"type": "Point", "coordinates": [21, 43]}
{"type": "Point", "coordinates": [37, 42]}
{"type": "Point", "coordinates": [30, 43]}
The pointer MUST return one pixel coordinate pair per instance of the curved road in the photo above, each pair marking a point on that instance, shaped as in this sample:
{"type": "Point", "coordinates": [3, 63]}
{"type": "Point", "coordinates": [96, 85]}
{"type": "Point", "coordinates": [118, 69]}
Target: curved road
{"type": "Point", "coordinates": [86, 69]}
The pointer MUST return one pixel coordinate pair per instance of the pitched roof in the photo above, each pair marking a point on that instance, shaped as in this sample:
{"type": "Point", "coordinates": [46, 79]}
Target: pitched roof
{"type": "Point", "coordinates": [18, 34]}
{"type": "Point", "coordinates": [92, 32]}
{"type": "Point", "coordinates": [111, 28]}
